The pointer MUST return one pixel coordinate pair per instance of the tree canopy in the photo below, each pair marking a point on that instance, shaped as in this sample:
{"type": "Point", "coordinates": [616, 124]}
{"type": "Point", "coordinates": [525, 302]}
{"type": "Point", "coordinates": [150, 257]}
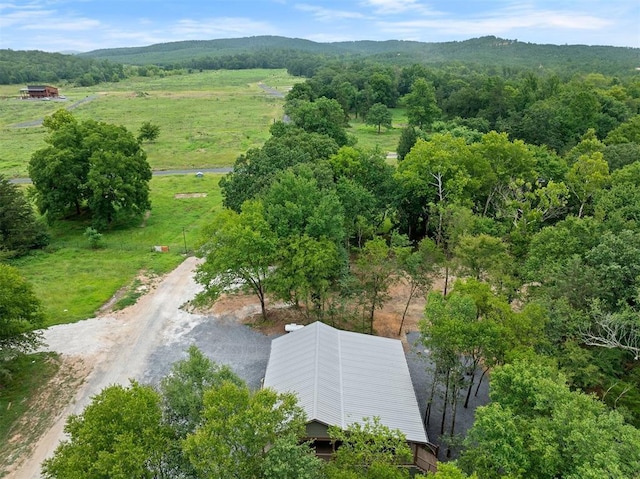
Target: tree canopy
{"type": "Point", "coordinates": [92, 165]}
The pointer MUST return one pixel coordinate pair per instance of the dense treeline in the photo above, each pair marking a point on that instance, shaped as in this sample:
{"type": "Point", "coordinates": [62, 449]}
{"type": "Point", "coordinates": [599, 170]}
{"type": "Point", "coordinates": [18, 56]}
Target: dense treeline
{"type": "Point", "coordinates": [22, 67]}
{"type": "Point", "coordinates": [537, 239]}
{"type": "Point", "coordinates": [541, 108]}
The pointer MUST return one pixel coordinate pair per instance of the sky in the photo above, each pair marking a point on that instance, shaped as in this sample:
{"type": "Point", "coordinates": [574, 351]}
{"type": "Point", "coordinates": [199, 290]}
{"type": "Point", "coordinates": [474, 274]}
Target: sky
{"type": "Point", "coordinates": [85, 25]}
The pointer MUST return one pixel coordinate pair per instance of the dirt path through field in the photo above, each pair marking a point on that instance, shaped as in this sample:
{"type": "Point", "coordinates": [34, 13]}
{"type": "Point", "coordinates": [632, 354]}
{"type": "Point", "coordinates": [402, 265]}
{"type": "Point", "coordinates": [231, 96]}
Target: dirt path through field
{"type": "Point", "coordinates": [115, 348]}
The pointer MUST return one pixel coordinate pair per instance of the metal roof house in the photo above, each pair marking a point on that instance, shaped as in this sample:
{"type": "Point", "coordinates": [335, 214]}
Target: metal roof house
{"type": "Point", "coordinates": [341, 377]}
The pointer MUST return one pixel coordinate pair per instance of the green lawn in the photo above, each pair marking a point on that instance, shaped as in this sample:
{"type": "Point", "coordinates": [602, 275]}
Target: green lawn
{"type": "Point", "coordinates": [387, 139]}
{"type": "Point", "coordinates": [73, 281]}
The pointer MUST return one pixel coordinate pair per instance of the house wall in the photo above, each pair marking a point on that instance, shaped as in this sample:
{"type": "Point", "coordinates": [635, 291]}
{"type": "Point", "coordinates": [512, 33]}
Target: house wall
{"type": "Point", "coordinates": [317, 430]}
{"type": "Point", "coordinates": [424, 457]}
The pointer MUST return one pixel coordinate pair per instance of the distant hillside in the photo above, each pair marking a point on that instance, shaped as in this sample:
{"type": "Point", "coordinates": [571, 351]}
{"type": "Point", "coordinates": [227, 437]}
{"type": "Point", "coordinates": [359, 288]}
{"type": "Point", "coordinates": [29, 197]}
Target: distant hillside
{"type": "Point", "coordinates": [34, 66]}
{"type": "Point", "coordinates": [485, 51]}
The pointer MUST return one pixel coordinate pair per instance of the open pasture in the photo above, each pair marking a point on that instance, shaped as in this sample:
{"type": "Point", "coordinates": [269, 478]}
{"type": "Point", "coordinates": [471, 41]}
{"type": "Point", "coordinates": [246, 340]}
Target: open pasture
{"type": "Point", "coordinates": [206, 119]}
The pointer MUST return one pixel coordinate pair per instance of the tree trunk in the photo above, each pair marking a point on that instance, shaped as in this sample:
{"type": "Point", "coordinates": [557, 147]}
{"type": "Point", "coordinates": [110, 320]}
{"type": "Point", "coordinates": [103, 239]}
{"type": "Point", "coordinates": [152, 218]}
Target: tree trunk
{"type": "Point", "coordinates": [263, 307]}
{"type": "Point", "coordinates": [372, 312]}
{"type": "Point", "coordinates": [446, 279]}
{"type": "Point", "coordinates": [412, 291]}
{"type": "Point", "coordinates": [427, 413]}
{"type": "Point", "coordinates": [473, 376]}
{"type": "Point", "coordinates": [454, 407]}
{"type": "Point", "coordinates": [480, 382]}
{"type": "Point", "coordinates": [446, 401]}
{"type": "Point", "coordinates": [581, 209]}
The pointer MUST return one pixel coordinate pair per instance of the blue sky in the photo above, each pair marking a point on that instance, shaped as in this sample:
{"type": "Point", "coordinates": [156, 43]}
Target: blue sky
{"type": "Point", "coordinates": [83, 25]}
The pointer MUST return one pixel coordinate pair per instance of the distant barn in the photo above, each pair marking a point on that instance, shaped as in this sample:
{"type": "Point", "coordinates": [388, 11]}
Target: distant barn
{"type": "Point", "coordinates": [39, 91]}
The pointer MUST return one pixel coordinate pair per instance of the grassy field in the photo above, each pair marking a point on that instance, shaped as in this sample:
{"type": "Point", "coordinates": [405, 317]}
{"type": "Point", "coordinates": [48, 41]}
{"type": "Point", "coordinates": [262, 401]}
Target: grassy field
{"type": "Point", "coordinates": [387, 139]}
{"type": "Point", "coordinates": [73, 280]}
{"type": "Point", "coordinates": [206, 119]}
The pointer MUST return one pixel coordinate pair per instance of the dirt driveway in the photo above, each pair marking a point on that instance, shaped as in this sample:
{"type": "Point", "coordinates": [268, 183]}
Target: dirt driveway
{"type": "Point", "coordinates": [141, 342]}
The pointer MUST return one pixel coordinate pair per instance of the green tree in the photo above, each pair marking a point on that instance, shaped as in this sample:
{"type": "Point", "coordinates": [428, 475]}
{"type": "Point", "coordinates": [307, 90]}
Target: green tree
{"type": "Point", "coordinates": [184, 387]}
{"type": "Point", "coordinates": [254, 171]}
{"type": "Point", "coordinates": [586, 177]}
{"type": "Point", "coordinates": [627, 132]}
{"type": "Point", "coordinates": [238, 248]}
{"type": "Point", "coordinates": [322, 116]}
{"type": "Point", "coordinates": [96, 164]}
{"type": "Point", "coordinates": [408, 138]}
{"type": "Point", "coordinates": [432, 176]}
{"type": "Point", "coordinates": [182, 392]}
{"type": "Point", "coordinates": [537, 427]}
{"type": "Point", "coordinates": [418, 267]}
{"type": "Point", "coordinates": [375, 272]}
{"type": "Point", "coordinates": [20, 315]}
{"type": "Point", "coordinates": [379, 115]}
{"type": "Point", "coordinates": [119, 435]}
{"type": "Point", "coordinates": [148, 131]}
{"type": "Point", "coordinates": [287, 459]}
{"type": "Point", "coordinates": [368, 450]}
{"type": "Point", "coordinates": [238, 429]}
{"type": "Point", "coordinates": [422, 108]}
{"type": "Point", "coordinates": [19, 229]}
{"type": "Point", "coordinates": [484, 257]}
{"type": "Point", "coordinates": [307, 270]}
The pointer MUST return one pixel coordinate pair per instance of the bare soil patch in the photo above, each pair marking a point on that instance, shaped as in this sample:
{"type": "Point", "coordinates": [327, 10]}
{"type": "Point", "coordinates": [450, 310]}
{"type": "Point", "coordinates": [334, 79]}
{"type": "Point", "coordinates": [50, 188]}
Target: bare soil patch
{"type": "Point", "coordinates": [44, 409]}
{"type": "Point", "coordinates": [386, 320]}
{"type": "Point", "coordinates": [189, 195]}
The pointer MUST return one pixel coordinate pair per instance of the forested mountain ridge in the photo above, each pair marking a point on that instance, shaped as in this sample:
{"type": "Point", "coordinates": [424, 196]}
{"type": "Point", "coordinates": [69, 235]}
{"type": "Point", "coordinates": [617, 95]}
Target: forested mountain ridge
{"type": "Point", "coordinates": [490, 55]}
{"type": "Point", "coordinates": [488, 50]}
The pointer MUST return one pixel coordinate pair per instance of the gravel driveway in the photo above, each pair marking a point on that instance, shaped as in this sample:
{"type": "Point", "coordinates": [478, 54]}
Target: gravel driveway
{"type": "Point", "coordinates": [141, 342]}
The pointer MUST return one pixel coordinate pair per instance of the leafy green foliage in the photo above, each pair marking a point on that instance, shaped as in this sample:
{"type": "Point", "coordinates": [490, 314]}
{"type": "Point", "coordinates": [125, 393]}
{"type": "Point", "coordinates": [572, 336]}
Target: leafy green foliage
{"type": "Point", "coordinates": [20, 231]}
{"type": "Point", "coordinates": [93, 236]}
{"type": "Point", "coordinates": [237, 429]}
{"type": "Point", "coordinates": [148, 131]}
{"type": "Point", "coordinates": [95, 164]}
{"type": "Point", "coordinates": [20, 314]}
{"type": "Point", "coordinates": [120, 434]}
{"type": "Point", "coordinates": [239, 250]}
{"type": "Point", "coordinates": [324, 116]}
{"type": "Point", "coordinates": [368, 450]}
{"type": "Point", "coordinates": [422, 108]}
{"type": "Point", "coordinates": [17, 67]}
{"type": "Point", "coordinates": [379, 115]}
{"type": "Point", "coordinates": [537, 427]}
{"type": "Point", "coordinates": [254, 171]}
{"type": "Point", "coordinates": [375, 273]}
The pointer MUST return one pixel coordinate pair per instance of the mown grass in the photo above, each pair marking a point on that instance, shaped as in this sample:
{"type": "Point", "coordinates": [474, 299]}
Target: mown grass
{"type": "Point", "coordinates": [73, 280]}
{"type": "Point", "coordinates": [387, 139]}
{"type": "Point", "coordinates": [206, 119]}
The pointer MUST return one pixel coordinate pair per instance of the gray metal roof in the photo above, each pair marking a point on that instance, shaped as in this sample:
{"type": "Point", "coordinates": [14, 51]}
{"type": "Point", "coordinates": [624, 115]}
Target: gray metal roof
{"type": "Point", "coordinates": [341, 377]}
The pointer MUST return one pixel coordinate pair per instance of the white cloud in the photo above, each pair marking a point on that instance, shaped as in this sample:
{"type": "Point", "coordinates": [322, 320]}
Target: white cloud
{"type": "Point", "coordinates": [326, 14]}
{"type": "Point", "coordinates": [391, 7]}
{"type": "Point", "coordinates": [508, 21]}
{"type": "Point", "coordinates": [220, 27]}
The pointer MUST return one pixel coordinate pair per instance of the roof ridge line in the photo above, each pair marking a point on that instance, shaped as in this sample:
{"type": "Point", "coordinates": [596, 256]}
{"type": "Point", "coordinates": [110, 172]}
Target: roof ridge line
{"type": "Point", "coordinates": [340, 381]}
{"type": "Point", "coordinates": [315, 383]}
